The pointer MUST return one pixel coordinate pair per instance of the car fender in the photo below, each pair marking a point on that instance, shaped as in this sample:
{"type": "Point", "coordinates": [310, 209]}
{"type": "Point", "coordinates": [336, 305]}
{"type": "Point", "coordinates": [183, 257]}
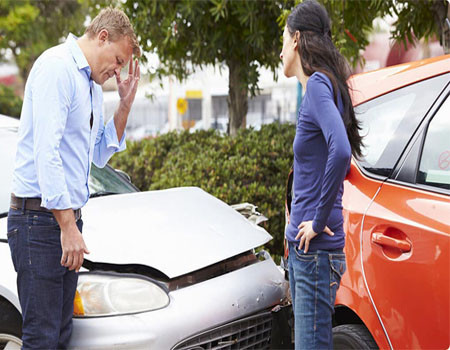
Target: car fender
{"type": "Point", "coordinates": [11, 297]}
{"type": "Point", "coordinates": [361, 306]}
{"type": "Point", "coordinates": [8, 288]}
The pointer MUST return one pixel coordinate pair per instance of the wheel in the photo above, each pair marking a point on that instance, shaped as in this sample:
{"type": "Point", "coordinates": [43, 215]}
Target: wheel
{"type": "Point", "coordinates": [353, 336]}
{"type": "Point", "coordinates": [10, 326]}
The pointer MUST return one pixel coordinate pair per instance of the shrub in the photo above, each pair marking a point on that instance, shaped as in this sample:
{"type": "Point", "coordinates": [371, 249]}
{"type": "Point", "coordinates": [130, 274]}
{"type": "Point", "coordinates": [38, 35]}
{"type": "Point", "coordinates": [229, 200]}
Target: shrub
{"type": "Point", "coordinates": [10, 104]}
{"type": "Point", "coordinates": [251, 167]}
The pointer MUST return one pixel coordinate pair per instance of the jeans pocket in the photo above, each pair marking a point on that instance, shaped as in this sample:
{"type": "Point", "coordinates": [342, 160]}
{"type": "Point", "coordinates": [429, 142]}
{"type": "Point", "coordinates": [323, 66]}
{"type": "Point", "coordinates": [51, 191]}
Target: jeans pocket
{"type": "Point", "coordinates": [304, 257]}
{"type": "Point", "coordinates": [45, 251]}
{"type": "Point", "coordinates": [304, 264]}
{"type": "Point", "coordinates": [12, 233]}
{"type": "Point", "coordinates": [13, 222]}
{"type": "Point", "coordinates": [44, 220]}
{"type": "Point", "coordinates": [16, 225]}
{"type": "Point", "coordinates": [43, 237]}
{"type": "Point", "coordinates": [12, 242]}
{"type": "Point", "coordinates": [337, 269]}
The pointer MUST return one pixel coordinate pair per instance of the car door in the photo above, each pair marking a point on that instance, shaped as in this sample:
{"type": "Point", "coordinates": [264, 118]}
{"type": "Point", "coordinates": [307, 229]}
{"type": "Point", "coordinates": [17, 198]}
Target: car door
{"type": "Point", "coordinates": [405, 231]}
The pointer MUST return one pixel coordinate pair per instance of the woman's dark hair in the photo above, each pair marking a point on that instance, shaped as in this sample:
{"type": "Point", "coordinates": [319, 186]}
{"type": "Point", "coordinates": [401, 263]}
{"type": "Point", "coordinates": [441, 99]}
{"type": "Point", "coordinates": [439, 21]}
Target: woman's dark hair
{"type": "Point", "coordinates": [318, 54]}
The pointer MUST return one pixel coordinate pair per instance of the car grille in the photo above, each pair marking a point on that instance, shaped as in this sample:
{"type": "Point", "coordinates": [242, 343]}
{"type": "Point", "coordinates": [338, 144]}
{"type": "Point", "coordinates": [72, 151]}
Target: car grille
{"type": "Point", "coordinates": [248, 333]}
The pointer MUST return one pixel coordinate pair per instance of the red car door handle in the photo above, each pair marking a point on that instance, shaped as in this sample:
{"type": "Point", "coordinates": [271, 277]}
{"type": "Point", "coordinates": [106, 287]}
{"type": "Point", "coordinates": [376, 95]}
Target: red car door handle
{"type": "Point", "coordinates": [383, 240]}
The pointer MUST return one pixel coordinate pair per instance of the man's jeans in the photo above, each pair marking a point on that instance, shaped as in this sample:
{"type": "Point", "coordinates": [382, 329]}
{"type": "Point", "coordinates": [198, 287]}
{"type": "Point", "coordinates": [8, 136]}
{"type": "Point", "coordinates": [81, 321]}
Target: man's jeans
{"type": "Point", "coordinates": [46, 289]}
{"type": "Point", "coordinates": [314, 278]}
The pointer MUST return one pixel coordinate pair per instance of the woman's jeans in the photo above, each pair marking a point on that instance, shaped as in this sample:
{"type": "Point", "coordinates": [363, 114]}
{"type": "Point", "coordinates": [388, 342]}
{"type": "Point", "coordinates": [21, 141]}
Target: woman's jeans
{"type": "Point", "coordinates": [46, 289]}
{"type": "Point", "coordinates": [314, 278]}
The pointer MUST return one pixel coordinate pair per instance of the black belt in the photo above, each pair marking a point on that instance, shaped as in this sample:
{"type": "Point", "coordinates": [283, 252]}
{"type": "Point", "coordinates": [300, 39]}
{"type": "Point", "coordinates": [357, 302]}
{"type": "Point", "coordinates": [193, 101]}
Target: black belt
{"type": "Point", "coordinates": [35, 204]}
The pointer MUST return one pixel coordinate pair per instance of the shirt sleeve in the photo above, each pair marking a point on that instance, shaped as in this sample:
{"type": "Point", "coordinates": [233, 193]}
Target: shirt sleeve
{"type": "Point", "coordinates": [328, 118]}
{"type": "Point", "coordinates": [107, 143]}
{"type": "Point", "coordinates": [52, 92]}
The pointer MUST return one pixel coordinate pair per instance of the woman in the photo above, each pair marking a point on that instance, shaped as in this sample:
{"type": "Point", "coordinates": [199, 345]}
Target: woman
{"type": "Point", "coordinates": [327, 135]}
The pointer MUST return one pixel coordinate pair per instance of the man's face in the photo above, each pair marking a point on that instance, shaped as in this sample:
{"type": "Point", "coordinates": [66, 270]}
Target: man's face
{"type": "Point", "coordinates": [110, 57]}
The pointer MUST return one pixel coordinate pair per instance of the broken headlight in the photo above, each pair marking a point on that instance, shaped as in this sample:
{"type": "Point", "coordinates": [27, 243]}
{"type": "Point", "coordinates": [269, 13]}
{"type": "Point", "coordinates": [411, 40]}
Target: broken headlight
{"type": "Point", "coordinates": [109, 295]}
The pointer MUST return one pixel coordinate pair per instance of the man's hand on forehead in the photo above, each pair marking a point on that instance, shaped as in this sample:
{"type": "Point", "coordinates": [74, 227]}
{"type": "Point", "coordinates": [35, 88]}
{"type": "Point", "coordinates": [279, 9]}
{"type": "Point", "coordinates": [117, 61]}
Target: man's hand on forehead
{"type": "Point", "coordinates": [127, 88]}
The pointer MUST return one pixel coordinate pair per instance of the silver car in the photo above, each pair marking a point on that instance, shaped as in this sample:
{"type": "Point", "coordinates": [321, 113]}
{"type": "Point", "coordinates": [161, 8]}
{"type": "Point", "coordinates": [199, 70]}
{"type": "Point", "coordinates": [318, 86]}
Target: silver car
{"type": "Point", "coordinates": [170, 269]}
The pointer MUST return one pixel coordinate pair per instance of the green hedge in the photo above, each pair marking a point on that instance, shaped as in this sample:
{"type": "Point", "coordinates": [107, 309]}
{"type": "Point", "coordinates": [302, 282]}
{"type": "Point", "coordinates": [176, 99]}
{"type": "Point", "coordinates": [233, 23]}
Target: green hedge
{"type": "Point", "coordinates": [10, 104]}
{"type": "Point", "coordinates": [251, 167]}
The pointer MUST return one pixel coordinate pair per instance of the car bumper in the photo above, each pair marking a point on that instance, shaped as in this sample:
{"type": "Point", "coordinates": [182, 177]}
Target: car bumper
{"type": "Point", "coordinates": [192, 310]}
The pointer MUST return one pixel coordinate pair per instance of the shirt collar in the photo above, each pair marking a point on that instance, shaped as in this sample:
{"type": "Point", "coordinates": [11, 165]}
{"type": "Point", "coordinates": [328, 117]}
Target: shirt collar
{"type": "Point", "coordinates": [77, 54]}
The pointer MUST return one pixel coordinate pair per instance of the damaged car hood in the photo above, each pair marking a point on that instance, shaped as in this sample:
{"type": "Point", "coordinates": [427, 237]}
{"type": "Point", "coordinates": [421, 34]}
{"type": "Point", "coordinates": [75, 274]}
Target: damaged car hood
{"type": "Point", "coordinates": [176, 231]}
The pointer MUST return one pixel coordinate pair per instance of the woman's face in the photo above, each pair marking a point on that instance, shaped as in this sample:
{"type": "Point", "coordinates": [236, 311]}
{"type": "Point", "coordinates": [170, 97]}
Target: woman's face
{"type": "Point", "coordinates": [289, 54]}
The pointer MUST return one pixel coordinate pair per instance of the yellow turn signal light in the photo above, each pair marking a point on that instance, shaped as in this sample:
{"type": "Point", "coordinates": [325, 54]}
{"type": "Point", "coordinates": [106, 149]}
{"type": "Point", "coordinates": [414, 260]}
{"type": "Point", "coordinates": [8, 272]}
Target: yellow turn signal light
{"type": "Point", "coordinates": [78, 309]}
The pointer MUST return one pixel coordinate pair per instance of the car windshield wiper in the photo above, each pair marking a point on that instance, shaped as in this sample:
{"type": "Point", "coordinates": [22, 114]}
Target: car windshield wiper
{"type": "Point", "coordinates": [102, 194]}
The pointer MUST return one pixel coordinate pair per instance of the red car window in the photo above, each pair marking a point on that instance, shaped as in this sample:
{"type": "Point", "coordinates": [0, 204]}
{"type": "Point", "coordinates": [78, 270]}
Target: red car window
{"type": "Point", "coordinates": [434, 169]}
{"type": "Point", "coordinates": [389, 121]}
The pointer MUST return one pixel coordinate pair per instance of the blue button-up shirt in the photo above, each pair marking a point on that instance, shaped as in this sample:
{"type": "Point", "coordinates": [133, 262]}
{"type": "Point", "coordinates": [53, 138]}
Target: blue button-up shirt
{"type": "Point", "coordinates": [56, 143]}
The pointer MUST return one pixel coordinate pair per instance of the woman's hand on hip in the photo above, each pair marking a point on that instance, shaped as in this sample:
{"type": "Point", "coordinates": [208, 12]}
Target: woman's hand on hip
{"type": "Point", "coordinates": [306, 234]}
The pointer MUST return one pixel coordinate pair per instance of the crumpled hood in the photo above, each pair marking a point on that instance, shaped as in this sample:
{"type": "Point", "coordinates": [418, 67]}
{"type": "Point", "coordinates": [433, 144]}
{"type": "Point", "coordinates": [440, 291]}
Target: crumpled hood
{"type": "Point", "coordinates": [176, 231]}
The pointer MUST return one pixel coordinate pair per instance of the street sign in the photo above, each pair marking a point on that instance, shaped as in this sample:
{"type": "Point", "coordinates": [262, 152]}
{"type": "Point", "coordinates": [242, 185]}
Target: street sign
{"type": "Point", "coordinates": [182, 106]}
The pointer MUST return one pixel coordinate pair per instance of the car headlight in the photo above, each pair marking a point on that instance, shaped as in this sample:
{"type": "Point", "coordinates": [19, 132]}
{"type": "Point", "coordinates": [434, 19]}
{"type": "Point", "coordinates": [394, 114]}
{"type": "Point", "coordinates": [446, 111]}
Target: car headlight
{"type": "Point", "coordinates": [108, 295]}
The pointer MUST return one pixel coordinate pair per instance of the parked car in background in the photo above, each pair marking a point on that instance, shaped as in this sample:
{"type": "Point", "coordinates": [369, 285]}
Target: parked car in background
{"type": "Point", "coordinates": [142, 132]}
{"type": "Point", "coordinates": [256, 125]}
{"type": "Point", "coordinates": [395, 293]}
{"type": "Point", "coordinates": [172, 269]}
{"type": "Point", "coordinates": [219, 124]}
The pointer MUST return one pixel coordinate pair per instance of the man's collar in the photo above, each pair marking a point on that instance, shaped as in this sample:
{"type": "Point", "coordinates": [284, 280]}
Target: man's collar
{"type": "Point", "coordinates": [77, 54]}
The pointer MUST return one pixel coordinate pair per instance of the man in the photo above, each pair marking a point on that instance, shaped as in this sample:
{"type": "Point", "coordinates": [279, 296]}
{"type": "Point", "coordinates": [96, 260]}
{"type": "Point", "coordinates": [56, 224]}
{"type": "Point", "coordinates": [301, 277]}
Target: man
{"type": "Point", "coordinates": [61, 132]}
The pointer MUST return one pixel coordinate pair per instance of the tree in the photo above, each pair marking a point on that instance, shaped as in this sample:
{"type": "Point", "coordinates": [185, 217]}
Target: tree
{"type": "Point", "coordinates": [246, 35]}
{"type": "Point", "coordinates": [29, 27]}
{"type": "Point", "coordinates": [416, 19]}
{"type": "Point", "coordinates": [10, 104]}
{"type": "Point", "coordinates": [186, 34]}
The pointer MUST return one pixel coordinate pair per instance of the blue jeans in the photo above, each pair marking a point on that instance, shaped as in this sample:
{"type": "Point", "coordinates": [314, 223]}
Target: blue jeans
{"type": "Point", "coordinates": [46, 289]}
{"type": "Point", "coordinates": [314, 278]}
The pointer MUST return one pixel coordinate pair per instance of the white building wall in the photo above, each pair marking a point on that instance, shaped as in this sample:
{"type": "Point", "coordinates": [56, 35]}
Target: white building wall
{"type": "Point", "coordinates": [279, 96]}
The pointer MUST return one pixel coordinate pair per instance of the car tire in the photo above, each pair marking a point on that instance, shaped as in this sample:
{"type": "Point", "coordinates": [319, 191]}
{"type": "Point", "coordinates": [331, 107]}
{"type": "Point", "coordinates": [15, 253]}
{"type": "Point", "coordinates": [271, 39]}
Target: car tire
{"type": "Point", "coordinates": [10, 326]}
{"type": "Point", "coordinates": [353, 336]}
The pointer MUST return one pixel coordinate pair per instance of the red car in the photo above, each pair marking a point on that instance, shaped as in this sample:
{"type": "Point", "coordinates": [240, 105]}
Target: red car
{"type": "Point", "coordinates": [395, 293]}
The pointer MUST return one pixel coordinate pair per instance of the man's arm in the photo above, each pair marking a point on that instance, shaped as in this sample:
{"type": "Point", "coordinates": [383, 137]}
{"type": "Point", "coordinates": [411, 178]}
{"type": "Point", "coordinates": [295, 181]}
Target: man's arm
{"type": "Point", "coordinates": [72, 241]}
{"type": "Point", "coordinates": [127, 92]}
{"type": "Point", "coordinates": [110, 138]}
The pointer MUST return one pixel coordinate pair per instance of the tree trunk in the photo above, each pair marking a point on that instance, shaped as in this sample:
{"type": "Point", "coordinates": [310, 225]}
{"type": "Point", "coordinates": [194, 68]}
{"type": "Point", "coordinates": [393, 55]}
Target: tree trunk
{"type": "Point", "coordinates": [24, 70]}
{"type": "Point", "coordinates": [441, 10]}
{"type": "Point", "coordinates": [237, 97]}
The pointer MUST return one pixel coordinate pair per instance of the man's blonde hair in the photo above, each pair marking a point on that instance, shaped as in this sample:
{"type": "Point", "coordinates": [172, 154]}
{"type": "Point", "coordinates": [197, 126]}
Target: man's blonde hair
{"type": "Point", "coordinates": [117, 24]}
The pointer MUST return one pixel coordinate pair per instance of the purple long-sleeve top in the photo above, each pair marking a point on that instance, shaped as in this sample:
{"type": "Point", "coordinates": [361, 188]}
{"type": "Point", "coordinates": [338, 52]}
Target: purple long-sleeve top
{"type": "Point", "coordinates": [322, 155]}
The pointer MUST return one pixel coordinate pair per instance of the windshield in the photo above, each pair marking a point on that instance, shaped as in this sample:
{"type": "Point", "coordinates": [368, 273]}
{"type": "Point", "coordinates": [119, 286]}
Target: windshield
{"type": "Point", "coordinates": [107, 180]}
{"type": "Point", "coordinates": [101, 181]}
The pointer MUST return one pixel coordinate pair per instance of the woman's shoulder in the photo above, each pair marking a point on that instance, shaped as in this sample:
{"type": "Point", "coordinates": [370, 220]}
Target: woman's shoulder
{"type": "Point", "coordinates": [319, 78]}
{"type": "Point", "coordinates": [319, 82]}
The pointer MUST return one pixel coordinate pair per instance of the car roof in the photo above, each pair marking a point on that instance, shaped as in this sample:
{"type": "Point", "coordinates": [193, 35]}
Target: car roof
{"type": "Point", "coordinates": [369, 85]}
{"type": "Point", "coordinates": [8, 122]}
